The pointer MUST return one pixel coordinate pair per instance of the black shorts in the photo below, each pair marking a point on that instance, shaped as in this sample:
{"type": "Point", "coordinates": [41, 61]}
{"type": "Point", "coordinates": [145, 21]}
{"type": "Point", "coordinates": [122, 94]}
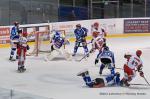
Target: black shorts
{"type": "Point", "coordinates": [105, 60]}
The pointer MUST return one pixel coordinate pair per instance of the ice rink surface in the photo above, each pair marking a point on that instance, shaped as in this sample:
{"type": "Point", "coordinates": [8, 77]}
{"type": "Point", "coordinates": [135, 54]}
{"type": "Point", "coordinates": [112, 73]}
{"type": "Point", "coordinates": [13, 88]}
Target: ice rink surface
{"type": "Point", "coordinates": [57, 79]}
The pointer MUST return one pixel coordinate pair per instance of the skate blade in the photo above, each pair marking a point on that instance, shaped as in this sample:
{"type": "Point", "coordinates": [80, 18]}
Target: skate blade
{"type": "Point", "coordinates": [21, 71]}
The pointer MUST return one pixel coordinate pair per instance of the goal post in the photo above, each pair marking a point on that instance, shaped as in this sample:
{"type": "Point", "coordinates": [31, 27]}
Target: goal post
{"type": "Point", "coordinates": [42, 42]}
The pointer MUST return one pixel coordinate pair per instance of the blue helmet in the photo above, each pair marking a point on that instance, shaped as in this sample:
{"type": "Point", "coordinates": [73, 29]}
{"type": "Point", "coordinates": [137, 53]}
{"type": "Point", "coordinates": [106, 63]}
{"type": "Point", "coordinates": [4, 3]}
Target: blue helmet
{"type": "Point", "coordinates": [57, 34]}
{"type": "Point", "coordinates": [106, 48]}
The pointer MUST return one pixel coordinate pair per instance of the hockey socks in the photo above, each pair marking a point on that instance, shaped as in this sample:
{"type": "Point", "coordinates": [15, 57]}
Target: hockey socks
{"type": "Point", "coordinates": [13, 54]}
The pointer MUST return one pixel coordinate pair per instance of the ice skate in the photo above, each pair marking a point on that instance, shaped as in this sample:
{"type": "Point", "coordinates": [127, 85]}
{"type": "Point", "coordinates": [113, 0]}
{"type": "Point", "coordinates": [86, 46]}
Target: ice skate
{"type": "Point", "coordinates": [82, 73]}
{"type": "Point", "coordinates": [13, 59]}
{"type": "Point", "coordinates": [124, 83]}
{"type": "Point", "coordinates": [74, 54]}
{"type": "Point", "coordinates": [21, 69]}
{"type": "Point", "coordinates": [10, 58]}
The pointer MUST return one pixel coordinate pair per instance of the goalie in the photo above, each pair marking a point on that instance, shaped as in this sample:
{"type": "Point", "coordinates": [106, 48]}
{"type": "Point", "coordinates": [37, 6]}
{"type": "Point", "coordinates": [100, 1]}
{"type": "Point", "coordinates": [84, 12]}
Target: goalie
{"type": "Point", "coordinates": [57, 43]}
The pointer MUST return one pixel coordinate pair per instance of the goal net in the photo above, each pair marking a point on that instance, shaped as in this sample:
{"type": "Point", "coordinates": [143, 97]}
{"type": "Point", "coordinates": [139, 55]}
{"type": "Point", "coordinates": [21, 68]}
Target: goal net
{"type": "Point", "coordinates": [42, 42]}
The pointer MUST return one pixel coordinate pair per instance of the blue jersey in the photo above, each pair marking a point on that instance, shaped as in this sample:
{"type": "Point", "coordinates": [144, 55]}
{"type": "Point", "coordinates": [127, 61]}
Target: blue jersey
{"type": "Point", "coordinates": [112, 80]}
{"type": "Point", "coordinates": [80, 33]}
{"type": "Point", "coordinates": [14, 33]}
{"type": "Point", "coordinates": [57, 40]}
{"type": "Point", "coordinates": [107, 54]}
{"type": "Point", "coordinates": [88, 81]}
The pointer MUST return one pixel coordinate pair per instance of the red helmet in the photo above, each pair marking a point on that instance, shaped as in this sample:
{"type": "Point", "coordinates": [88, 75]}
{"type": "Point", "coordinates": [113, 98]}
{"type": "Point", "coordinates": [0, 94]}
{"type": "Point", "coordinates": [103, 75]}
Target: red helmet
{"type": "Point", "coordinates": [24, 34]}
{"type": "Point", "coordinates": [96, 24]}
{"type": "Point", "coordinates": [139, 53]}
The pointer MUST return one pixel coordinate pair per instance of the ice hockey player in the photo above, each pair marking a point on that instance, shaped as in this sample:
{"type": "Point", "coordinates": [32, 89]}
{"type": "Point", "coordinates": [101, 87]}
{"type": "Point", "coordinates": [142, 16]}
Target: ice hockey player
{"type": "Point", "coordinates": [97, 33]}
{"type": "Point", "coordinates": [80, 34]}
{"type": "Point", "coordinates": [109, 80]}
{"type": "Point", "coordinates": [13, 41]}
{"type": "Point", "coordinates": [98, 44]}
{"type": "Point", "coordinates": [22, 48]}
{"type": "Point", "coordinates": [57, 48]}
{"type": "Point", "coordinates": [107, 60]}
{"type": "Point", "coordinates": [133, 64]}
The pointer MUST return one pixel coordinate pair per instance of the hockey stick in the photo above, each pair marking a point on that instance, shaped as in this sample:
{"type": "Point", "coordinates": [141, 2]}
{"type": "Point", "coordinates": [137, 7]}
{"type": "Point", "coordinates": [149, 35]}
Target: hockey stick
{"type": "Point", "coordinates": [140, 84]}
{"type": "Point", "coordinates": [83, 57]}
{"type": "Point", "coordinates": [146, 81]}
{"type": "Point", "coordinates": [119, 68]}
{"type": "Point", "coordinates": [86, 43]}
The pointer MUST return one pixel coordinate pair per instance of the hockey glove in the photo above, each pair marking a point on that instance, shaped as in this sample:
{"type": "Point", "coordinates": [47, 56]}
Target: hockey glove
{"type": "Point", "coordinates": [92, 50]}
{"type": "Point", "coordinates": [139, 68]}
{"type": "Point", "coordinates": [28, 47]}
{"type": "Point", "coordinates": [141, 74]}
{"type": "Point", "coordinates": [96, 61]}
{"type": "Point", "coordinates": [114, 65]}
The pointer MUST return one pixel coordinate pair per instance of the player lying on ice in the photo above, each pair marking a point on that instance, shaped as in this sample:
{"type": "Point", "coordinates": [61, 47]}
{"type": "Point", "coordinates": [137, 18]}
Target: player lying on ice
{"type": "Point", "coordinates": [110, 80]}
{"type": "Point", "coordinates": [107, 60]}
{"type": "Point", "coordinates": [57, 47]}
{"type": "Point", "coordinates": [133, 64]}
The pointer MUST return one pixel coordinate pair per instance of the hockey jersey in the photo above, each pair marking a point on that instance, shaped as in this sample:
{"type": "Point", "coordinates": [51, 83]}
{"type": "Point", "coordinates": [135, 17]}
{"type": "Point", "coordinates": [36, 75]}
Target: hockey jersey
{"type": "Point", "coordinates": [112, 80]}
{"type": "Point", "coordinates": [100, 32]}
{"type": "Point", "coordinates": [22, 42]}
{"type": "Point", "coordinates": [14, 33]}
{"type": "Point", "coordinates": [134, 62]}
{"type": "Point", "coordinates": [107, 54]}
{"type": "Point", "coordinates": [80, 33]}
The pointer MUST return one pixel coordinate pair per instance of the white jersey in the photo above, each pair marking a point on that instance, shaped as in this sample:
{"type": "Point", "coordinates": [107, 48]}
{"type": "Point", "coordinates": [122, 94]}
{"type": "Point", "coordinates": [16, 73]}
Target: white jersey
{"type": "Point", "coordinates": [134, 62]}
{"type": "Point", "coordinates": [23, 41]}
{"type": "Point", "coordinates": [97, 43]}
{"type": "Point", "coordinates": [100, 31]}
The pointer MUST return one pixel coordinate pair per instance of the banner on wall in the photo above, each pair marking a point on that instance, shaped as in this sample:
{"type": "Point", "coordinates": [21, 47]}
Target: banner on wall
{"type": "Point", "coordinates": [111, 26]}
{"type": "Point", "coordinates": [4, 35]}
{"type": "Point", "coordinates": [64, 26]}
{"type": "Point", "coordinates": [69, 27]}
{"type": "Point", "coordinates": [137, 26]}
{"type": "Point", "coordinates": [31, 31]}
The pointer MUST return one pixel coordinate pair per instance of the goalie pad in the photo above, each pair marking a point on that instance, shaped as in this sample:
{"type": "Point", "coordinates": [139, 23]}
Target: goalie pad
{"type": "Point", "coordinates": [51, 55]}
{"type": "Point", "coordinates": [66, 55]}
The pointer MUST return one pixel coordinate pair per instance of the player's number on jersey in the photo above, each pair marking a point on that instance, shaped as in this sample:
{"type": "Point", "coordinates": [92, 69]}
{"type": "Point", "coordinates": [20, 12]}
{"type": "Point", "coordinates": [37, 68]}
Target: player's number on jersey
{"type": "Point", "coordinates": [134, 63]}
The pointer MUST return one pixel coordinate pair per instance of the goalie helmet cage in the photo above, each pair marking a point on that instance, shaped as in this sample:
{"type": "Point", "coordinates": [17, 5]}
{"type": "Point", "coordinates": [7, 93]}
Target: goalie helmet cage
{"type": "Point", "coordinates": [42, 42]}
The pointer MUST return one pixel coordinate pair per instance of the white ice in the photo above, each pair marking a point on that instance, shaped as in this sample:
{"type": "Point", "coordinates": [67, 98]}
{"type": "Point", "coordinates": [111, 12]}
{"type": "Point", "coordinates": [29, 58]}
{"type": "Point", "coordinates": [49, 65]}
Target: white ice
{"type": "Point", "coordinates": [57, 79]}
